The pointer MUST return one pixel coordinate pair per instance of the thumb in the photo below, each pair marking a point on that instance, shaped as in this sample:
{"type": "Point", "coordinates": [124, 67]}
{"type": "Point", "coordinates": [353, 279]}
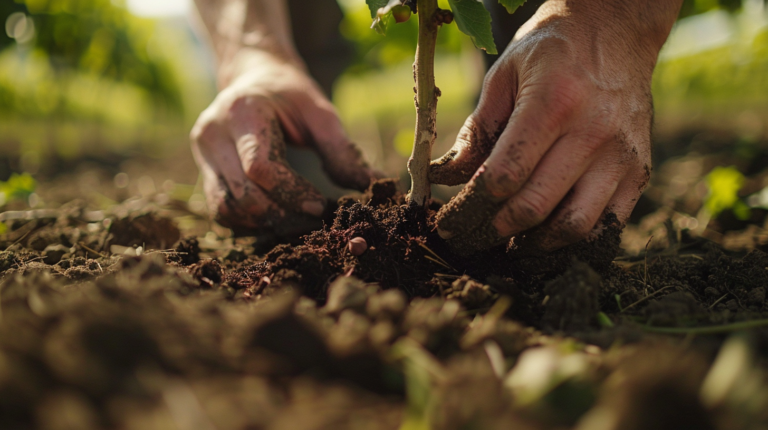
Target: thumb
{"type": "Point", "coordinates": [472, 147]}
{"type": "Point", "coordinates": [477, 137]}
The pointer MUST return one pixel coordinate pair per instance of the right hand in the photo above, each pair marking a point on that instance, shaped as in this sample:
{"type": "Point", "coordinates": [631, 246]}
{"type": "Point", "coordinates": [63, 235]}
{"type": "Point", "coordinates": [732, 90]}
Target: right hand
{"type": "Point", "coordinates": [239, 144]}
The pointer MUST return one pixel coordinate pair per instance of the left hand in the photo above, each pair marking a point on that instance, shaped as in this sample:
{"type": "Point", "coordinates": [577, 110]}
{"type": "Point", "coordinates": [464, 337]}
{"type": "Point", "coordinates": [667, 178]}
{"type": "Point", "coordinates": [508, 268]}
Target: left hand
{"type": "Point", "coordinates": [562, 131]}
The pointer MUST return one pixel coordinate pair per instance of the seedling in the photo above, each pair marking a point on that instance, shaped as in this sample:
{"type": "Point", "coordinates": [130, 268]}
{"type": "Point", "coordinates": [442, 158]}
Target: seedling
{"type": "Point", "coordinates": [473, 20]}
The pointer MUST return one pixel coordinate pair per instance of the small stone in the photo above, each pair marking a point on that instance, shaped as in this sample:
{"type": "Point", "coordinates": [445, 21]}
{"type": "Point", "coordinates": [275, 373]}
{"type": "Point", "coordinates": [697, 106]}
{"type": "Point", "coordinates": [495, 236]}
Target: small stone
{"type": "Point", "coordinates": [357, 246]}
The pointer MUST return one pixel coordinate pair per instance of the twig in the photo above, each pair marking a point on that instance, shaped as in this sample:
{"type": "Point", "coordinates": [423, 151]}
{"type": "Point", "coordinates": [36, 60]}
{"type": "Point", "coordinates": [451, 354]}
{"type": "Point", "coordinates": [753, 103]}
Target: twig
{"type": "Point", "coordinates": [645, 266]}
{"type": "Point", "coordinates": [647, 297]}
{"type": "Point", "coordinates": [434, 260]}
{"type": "Point", "coordinates": [92, 251]}
{"type": "Point", "coordinates": [718, 301]}
{"type": "Point", "coordinates": [434, 254]}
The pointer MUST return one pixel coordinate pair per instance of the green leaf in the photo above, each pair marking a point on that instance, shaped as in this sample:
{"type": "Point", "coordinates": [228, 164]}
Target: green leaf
{"type": "Point", "coordinates": [511, 5]}
{"type": "Point", "coordinates": [475, 21]}
{"type": "Point", "coordinates": [17, 187]}
{"type": "Point", "coordinates": [375, 5]}
{"type": "Point", "coordinates": [724, 184]}
{"type": "Point", "coordinates": [380, 11]}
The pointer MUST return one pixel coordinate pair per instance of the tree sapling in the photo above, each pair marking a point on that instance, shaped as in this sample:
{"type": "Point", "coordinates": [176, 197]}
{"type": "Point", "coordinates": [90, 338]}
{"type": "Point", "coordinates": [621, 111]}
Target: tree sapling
{"type": "Point", "coordinates": [472, 19]}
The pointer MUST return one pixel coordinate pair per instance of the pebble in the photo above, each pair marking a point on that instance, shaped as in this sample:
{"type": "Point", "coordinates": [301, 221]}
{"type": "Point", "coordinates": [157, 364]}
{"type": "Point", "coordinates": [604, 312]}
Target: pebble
{"type": "Point", "coordinates": [357, 246]}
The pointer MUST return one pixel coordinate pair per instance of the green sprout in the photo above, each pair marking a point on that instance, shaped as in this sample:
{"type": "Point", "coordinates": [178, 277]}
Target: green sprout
{"type": "Point", "coordinates": [17, 187]}
{"type": "Point", "coordinates": [472, 19]}
{"type": "Point", "coordinates": [724, 184]}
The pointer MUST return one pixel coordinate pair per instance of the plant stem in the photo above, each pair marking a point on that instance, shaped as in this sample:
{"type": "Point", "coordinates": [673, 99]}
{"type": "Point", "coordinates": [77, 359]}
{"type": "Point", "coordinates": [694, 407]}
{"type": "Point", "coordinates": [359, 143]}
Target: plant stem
{"type": "Point", "coordinates": [426, 103]}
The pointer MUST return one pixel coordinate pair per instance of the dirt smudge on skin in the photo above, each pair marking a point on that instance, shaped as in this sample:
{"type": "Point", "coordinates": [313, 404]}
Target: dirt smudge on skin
{"type": "Point", "coordinates": [479, 145]}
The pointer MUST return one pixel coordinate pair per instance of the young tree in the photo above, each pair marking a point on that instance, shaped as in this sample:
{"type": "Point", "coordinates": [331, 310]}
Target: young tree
{"type": "Point", "coordinates": [472, 19]}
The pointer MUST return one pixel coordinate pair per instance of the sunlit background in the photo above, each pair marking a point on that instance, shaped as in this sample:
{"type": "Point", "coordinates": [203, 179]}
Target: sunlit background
{"type": "Point", "coordinates": [105, 91]}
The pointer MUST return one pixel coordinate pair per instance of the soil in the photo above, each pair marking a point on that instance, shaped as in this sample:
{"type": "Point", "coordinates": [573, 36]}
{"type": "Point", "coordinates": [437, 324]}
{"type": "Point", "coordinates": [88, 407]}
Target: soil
{"type": "Point", "coordinates": [109, 320]}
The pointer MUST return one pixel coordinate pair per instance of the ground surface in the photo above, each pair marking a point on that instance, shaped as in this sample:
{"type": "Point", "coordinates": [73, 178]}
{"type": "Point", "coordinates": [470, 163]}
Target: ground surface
{"type": "Point", "coordinates": [132, 316]}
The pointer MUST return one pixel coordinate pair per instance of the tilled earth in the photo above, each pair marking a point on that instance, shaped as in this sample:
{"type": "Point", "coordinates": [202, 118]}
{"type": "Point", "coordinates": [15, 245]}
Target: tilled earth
{"type": "Point", "coordinates": [113, 319]}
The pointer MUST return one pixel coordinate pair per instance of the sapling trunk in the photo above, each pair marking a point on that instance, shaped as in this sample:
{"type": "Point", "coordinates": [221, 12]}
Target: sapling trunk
{"type": "Point", "coordinates": [426, 102]}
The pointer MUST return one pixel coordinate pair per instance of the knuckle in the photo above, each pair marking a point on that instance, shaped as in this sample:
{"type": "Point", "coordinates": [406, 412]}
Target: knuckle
{"type": "Point", "coordinates": [203, 131]}
{"type": "Point", "coordinates": [251, 103]}
{"type": "Point", "coordinates": [258, 168]}
{"type": "Point", "coordinates": [533, 208]}
{"type": "Point", "coordinates": [503, 179]}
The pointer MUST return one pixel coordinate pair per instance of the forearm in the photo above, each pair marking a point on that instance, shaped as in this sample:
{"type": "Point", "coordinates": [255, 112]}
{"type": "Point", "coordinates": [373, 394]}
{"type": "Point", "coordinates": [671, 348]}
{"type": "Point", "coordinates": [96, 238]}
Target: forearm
{"type": "Point", "coordinates": [241, 30]}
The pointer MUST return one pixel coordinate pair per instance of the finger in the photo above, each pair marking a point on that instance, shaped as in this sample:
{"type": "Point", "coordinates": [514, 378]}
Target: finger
{"type": "Point", "coordinates": [479, 134]}
{"type": "Point", "coordinates": [342, 159]}
{"type": "Point", "coordinates": [626, 196]}
{"type": "Point", "coordinates": [578, 214]}
{"type": "Point", "coordinates": [233, 200]}
{"type": "Point", "coordinates": [261, 149]}
{"type": "Point", "coordinates": [552, 179]}
{"type": "Point", "coordinates": [534, 126]}
{"type": "Point", "coordinates": [540, 118]}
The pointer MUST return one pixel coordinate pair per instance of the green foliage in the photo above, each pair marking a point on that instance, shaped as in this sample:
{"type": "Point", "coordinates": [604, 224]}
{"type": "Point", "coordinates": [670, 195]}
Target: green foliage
{"type": "Point", "coordinates": [724, 184]}
{"type": "Point", "coordinates": [97, 39]}
{"type": "Point", "coordinates": [475, 21]}
{"type": "Point", "coordinates": [693, 7]}
{"type": "Point", "coordinates": [511, 5]}
{"type": "Point", "coordinates": [375, 52]}
{"type": "Point", "coordinates": [17, 187]}
{"type": "Point", "coordinates": [375, 5]}
{"type": "Point", "coordinates": [470, 15]}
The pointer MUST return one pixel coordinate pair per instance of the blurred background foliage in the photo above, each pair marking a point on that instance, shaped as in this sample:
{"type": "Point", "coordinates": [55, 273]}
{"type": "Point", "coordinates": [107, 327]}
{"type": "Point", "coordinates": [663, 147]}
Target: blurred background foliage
{"type": "Point", "coordinates": [105, 79]}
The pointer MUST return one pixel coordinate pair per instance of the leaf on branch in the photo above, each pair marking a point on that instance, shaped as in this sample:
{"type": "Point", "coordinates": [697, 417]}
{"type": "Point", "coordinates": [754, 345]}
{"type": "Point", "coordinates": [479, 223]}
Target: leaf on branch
{"type": "Point", "coordinates": [380, 11]}
{"type": "Point", "coordinates": [511, 5]}
{"type": "Point", "coordinates": [475, 21]}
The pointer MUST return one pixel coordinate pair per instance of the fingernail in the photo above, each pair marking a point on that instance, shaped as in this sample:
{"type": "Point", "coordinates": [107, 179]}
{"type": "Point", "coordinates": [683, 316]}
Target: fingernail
{"type": "Point", "coordinates": [314, 208]}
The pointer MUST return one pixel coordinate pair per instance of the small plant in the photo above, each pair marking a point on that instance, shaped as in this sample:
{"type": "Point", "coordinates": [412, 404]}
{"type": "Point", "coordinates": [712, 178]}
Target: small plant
{"type": "Point", "coordinates": [473, 20]}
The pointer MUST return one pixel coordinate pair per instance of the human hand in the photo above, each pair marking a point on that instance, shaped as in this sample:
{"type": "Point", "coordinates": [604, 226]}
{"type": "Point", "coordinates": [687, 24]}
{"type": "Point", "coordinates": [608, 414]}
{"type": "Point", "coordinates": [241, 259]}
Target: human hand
{"type": "Point", "coordinates": [562, 131]}
{"type": "Point", "coordinates": [239, 144]}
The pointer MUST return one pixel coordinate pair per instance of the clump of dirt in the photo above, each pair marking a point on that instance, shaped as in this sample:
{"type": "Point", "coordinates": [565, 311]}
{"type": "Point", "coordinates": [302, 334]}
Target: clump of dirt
{"type": "Point", "coordinates": [404, 251]}
{"type": "Point", "coordinates": [312, 335]}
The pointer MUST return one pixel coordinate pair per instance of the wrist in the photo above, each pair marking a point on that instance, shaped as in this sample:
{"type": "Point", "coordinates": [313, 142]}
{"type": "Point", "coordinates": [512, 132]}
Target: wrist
{"type": "Point", "coordinates": [635, 30]}
{"type": "Point", "coordinates": [249, 59]}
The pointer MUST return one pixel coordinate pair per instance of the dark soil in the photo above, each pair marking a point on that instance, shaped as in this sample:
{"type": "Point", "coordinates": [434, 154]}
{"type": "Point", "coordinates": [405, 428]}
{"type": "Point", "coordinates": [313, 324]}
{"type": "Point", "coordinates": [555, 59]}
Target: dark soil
{"type": "Point", "coordinates": [105, 324]}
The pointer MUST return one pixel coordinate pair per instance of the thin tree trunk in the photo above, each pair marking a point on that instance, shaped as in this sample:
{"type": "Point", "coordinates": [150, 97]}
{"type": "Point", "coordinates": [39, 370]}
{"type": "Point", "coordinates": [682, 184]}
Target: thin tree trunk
{"type": "Point", "coordinates": [426, 103]}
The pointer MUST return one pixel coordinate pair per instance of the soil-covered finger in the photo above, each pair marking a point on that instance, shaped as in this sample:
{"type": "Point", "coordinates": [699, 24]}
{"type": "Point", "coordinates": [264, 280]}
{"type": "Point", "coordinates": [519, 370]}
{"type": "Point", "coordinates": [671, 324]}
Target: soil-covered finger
{"type": "Point", "coordinates": [466, 221]}
{"type": "Point", "coordinates": [578, 214]}
{"type": "Point", "coordinates": [346, 166]}
{"type": "Point", "coordinates": [473, 145]}
{"type": "Point", "coordinates": [262, 154]}
{"type": "Point", "coordinates": [233, 200]}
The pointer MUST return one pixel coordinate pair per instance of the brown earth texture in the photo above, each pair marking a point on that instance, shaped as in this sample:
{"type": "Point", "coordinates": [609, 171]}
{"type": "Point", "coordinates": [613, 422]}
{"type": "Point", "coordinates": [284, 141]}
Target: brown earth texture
{"type": "Point", "coordinates": [120, 319]}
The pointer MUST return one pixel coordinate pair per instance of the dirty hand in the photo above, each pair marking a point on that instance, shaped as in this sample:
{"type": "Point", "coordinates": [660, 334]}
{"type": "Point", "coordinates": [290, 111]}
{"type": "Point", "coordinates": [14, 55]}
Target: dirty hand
{"type": "Point", "coordinates": [239, 144]}
{"type": "Point", "coordinates": [267, 98]}
{"type": "Point", "coordinates": [562, 131]}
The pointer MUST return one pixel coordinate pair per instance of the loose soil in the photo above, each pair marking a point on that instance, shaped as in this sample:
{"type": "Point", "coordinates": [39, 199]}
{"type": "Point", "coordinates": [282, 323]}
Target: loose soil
{"type": "Point", "coordinates": [109, 320]}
